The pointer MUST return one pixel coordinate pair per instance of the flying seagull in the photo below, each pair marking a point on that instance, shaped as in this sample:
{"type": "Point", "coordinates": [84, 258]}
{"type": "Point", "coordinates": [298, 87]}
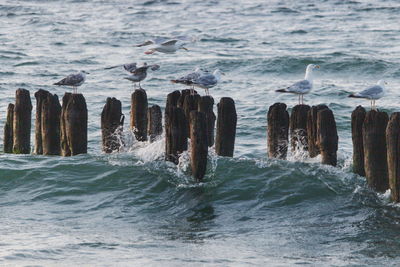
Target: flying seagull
{"type": "Point", "coordinates": [74, 80]}
{"type": "Point", "coordinates": [302, 87]}
{"type": "Point", "coordinates": [164, 45]}
{"type": "Point", "coordinates": [372, 93]}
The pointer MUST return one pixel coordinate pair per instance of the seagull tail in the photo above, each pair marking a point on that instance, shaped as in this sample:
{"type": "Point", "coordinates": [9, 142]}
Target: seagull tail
{"type": "Point", "coordinates": [282, 91]}
{"type": "Point", "coordinates": [57, 83]}
{"type": "Point", "coordinates": [355, 96]}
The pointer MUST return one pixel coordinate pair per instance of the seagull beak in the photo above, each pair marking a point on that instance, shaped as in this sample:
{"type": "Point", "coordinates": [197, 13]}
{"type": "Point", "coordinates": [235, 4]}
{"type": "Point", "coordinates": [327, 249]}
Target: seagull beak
{"type": "Point", "coordinates": [184, 48]}
{"type": "Point", "coordinates": [223, 73]}
{"type": "Point", "coordinates": [317, 66]}
{"type": "Point", "coordinates": [149, 52]}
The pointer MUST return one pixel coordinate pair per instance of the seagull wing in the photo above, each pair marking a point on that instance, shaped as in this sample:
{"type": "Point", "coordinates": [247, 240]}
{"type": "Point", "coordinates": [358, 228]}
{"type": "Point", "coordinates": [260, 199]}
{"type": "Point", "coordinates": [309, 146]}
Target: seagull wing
{"type": "Point", "coordinates": [154, 67]}
{"type": "Point", "coordinates": [300, 87]}
{"type": "Point", "coordinates": [148, 42]}
{"type": "Point", "coordinates": [71, 80]}
{"type": "Point", "coordinates": [207, 80]}
{"type": "Point", "coordinates": [371, 92]}
{"type": "Point", "coordinates": [130, 67]}
{"type": "Point", "coordinates": [170, 42]}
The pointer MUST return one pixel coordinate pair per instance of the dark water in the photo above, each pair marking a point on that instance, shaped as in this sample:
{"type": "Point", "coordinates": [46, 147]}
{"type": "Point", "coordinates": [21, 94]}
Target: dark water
{"type": "Point", "coordinates": [132, 208]}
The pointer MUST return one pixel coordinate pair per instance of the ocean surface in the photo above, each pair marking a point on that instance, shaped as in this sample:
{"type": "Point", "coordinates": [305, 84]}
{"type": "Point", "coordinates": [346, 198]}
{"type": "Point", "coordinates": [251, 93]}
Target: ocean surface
{"type": "Point", "coordinates": [134, 209]}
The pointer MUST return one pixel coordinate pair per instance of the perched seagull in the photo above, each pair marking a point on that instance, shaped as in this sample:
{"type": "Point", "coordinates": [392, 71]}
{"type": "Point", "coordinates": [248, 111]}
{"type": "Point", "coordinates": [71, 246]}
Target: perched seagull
{"type": "Point", "coordinates": [207, 80]}
{"type": "Point", "coordinates": [302, 87]}
{"type": "Point", "coordinates": [74, 80]}
{"type": "Point", "coordinates": [189, 78]}
{"type": "Point", "coordinates": [372, 93]}
{"type": "Point", "coordinates": [163, 45]}
{"type": "Point", "coordinates": [139, 74]}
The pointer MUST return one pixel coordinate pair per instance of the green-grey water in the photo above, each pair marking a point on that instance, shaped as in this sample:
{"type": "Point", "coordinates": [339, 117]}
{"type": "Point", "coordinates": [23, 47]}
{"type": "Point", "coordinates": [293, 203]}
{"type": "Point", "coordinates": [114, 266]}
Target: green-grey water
{"type": "Point", "coordinates": [134, 209]}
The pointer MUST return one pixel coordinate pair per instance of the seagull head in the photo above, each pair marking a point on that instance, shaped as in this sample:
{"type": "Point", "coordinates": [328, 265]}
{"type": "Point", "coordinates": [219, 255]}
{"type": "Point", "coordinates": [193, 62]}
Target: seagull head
{"type": "Point", "coordinates": [312, 66]}
{"type": "Point", "coordinates": [84, 72]}
{"type": "Point", "coordinates": [382, 83]}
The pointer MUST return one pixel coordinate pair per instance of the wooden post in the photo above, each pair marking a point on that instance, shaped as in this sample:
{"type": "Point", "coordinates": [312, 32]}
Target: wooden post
{"type": "Point", "coordinates": [139, 114]}
{"type": "Point", "coordinates": [327, 138]}
{"type": "Point", "coordinates": [278, 131]}
{"type": "Point", "coordinates": [50, 125]}
{"type": "Point", "coordinates": [112, 121]}
{"type": "Point", "coordinates": [226, 127]}
{"type": "Point", "coordinates": [190, 103]}
{"type": "Point", "coordinates": [40, 96]}
{"type": "Point", "coordinates": [393, 155]}
{"type": "Point", "coordinates": [175, 128]}
{"type": "Point", "coordinates": [22, 122]}
{"type": "Point", "coordinates": [313, 149]}
{"type": "Point", "coordinates": [8, 130]}
{"type": "Point", "coordinates": [206, 105]}
{"type": "Point", "coordinates": [357, 120]}
{"type": "Point", "coordinates": [298, 127]}
{"type": "Point", "coordinates": [375, 154]}
{"type": "Point", "coordinates": [154, 122]}
{"type": "Point", "coordinates": [74, 118]}
{"type": "Point", "coordinates": [184, 93]}
{"type": "Point", "coordinates": [199, 144]}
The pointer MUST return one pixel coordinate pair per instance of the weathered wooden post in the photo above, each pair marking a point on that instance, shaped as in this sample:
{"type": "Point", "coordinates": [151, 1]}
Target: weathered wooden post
{"type": "Point", "coordinates": [313, 149]}
{"type": "Point", "coordinates": [226, 127]}
{"type": "Point", "coordinates": [278, 131]}
{"type": "Point", "coordinates": [112, 121]}
{"type": "Point", "coordinates": [8, 130]}
{"type": "Point", "coordinates": [40, 95]}
{"type": "Point", "coordinates": [393, 155]}
{"type": "Point", "coordinates": [375, 154]}
{"type": "Point", "coordinates": [327, 137]}
{"type": "Point", "coordinates": [22, 122]}
{"type": "Point", "coordinates": [74, 118]}
{"type": "Point", "coordinates": [139, 114]}
{"type": "Point", "coordinates": [184, 93]}
{"type": "Point", "coordinates": [357, 120]}
{"type": "Point", "coordinates": [298, 127]}
{"type": "Point", "coordinates": [206, 104]}
{"type": "Point", "coordinates": [50, 125]}
{"type": "Point", "coordinates": [199, 144]}
{"type": "Point", "coordinates": [154, 122]}
{"type": "Point", "coordinates": [190, 103]}
{"type": "Point", "coordinates": [175, 128]}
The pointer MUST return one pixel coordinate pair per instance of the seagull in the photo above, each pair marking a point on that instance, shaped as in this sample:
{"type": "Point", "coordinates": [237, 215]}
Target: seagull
{"type": "Point", "coordinates": [189, 78]}
{"type": "Point", "coordinates": [163, 45]}
{"type": "Point", "coordinates": [302, 87]}
{"type": "Point", "coordinates": [372, 93]}
{"type": "Point", "coordinates": [74, 80]}
{"type": "Point", "coordinates": [139, 74]}
{"type": "Point", "coordinates": [207, 80]}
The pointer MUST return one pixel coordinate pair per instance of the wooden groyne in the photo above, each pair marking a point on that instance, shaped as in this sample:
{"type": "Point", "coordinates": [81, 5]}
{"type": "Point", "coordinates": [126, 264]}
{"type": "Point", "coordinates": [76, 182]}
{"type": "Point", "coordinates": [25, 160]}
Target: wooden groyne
{"type": "Point", "coordinates": [311, 129]}
{"type": "Point", "coordinates": [63, 129]}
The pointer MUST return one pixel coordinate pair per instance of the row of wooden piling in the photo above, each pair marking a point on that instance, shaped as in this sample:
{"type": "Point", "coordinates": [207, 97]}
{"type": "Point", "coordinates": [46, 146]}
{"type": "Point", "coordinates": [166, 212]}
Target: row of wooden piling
{"type": "Point", "coordinates": [62, 130]}
{"type": "Point", "coordinates": [311, 129]}
{"type": "Point", "coordinates": [376, 149]}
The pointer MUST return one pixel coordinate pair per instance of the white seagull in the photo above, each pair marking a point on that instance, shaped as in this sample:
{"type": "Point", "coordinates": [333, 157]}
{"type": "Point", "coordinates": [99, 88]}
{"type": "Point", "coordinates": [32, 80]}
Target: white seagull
{"type": "Point", "coordinates": [163, 45]}
{"type": "Point", "coordinates": [302, 87]}
{"type": "Point", "coordinates": [207, 80]}
{"type": "Point", "coordinates": [372, 93]}
{"type": "Point", "coordinates": [74, 80]}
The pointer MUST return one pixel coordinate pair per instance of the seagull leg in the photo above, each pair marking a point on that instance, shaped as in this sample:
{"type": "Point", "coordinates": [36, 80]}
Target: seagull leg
{"type": "Point", "coordinates": [299, 99]}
